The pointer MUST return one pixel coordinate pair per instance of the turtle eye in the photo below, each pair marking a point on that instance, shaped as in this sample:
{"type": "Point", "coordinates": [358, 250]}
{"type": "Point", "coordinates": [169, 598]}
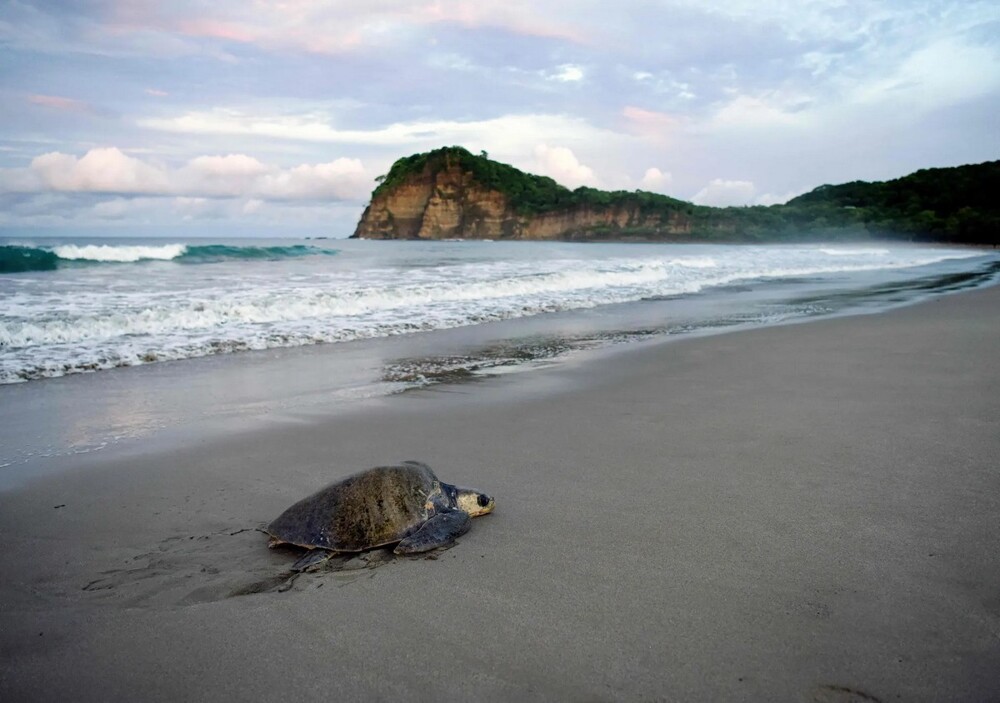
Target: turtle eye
{"type": "Point", "coordinates": [483, 500]}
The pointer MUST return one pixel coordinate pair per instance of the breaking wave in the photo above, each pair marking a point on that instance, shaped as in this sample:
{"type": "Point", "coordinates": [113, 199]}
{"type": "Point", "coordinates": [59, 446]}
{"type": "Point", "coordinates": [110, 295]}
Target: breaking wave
{"type": "Point", "coordinates": [16, 259]}
{"type": "Point", "coordinates": [52, 326]}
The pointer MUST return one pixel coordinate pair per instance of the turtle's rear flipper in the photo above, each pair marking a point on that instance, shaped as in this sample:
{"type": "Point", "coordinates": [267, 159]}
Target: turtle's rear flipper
{"type": "Point", "coordinates": [440, 531]}
{"type": "Point", "coordinates": [314, 557]}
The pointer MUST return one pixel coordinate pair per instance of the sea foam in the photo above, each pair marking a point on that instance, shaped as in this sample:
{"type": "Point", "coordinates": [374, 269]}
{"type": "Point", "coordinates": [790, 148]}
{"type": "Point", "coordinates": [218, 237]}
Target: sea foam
{"type": "Point", "coordinates": [86, 318]}
{"type": "Point", "coordinates": [840, 251]}
{"type": "Point", "coordinates": [121, 254]}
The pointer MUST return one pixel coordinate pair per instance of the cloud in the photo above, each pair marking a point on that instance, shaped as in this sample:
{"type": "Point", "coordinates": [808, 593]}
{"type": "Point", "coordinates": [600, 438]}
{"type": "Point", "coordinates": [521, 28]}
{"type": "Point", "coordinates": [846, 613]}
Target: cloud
{"type": "Point", "coordinates": [567, 73]}
{"type": "Point", "coordinates": [658, 126]}
{"type": "Point", "coordinates": [223, 176]}
{"type": "Point", "coordinates": [232, 216]}
{"type": "Point", "coordinates": [238, 165]}
{"type": "Point", "coordinates": [946, 71]}
{"type": "Point", "coordinates": [785, 95]}
{"type": "Point", "coordinates": [311, 128]}
{"type": "Point", "coordinates": [343, 179]}
{"type": "Point", "coordinates": [57, 102]}
{"type": "Point", "coordinates": [337, 28]}
{"type": "Point", "coordinates": [229, 31]}
{"type": "Point", "coordinates": [200, 208]}
{"type": "Point", "coordinates": [516, 16]}
{"type": "Point", "coordinates": [655, 180]}
{"type": "Point", "coordinates": [510, 138]}
{"type": "Point", "coordinates": [772, 199]}
{"type": "Point", "coordinates": [153, 210]}
{"type": "Point", "coordinates": [115, 209]}
{"type": "Point", "coordinates": [562, 165]}
{"type": "Point", "coordinates": [493, 133]}
{"type": "Point", "coordinates": [723, 193]}
{"type": "Point", "coordinates": [746, 111]}
{"type": "Point", "coordinates": [105, 170]}
{"type": "Point", "coordinates": [109, 170]}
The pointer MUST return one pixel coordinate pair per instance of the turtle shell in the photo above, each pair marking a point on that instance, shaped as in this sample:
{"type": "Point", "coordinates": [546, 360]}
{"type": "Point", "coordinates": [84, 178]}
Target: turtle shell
{"type": "Point", "coordinates": [370, 509]}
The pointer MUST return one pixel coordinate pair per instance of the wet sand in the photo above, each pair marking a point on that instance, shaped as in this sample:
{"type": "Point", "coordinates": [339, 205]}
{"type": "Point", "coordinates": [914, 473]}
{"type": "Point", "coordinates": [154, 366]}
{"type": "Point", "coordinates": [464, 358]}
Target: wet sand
{"type": "Point", "coordinates": [808, 512]}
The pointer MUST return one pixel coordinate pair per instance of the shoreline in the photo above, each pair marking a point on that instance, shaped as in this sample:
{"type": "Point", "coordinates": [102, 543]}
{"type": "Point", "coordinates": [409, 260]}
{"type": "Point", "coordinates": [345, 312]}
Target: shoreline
{"type": "Point", "coordinates": [800, 511]}
{"type": "Point", "coordinates": [101, 412]}
{"type": "Point", "coordinates": [203, 323]}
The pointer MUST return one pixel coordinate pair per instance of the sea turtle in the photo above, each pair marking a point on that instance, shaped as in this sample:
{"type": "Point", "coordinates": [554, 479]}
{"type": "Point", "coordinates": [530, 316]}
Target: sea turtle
{"type": "Point", "coordinates": [404, 504]}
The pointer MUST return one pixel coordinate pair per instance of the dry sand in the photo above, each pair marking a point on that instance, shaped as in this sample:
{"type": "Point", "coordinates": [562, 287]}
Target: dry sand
{"type": "Point", "coordinates": [809, 512]}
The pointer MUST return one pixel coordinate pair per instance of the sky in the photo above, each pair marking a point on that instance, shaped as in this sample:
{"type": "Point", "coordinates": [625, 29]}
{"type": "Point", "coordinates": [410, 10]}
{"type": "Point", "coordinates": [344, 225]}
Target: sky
{"type": "Point", "coordinates": [143, 116]}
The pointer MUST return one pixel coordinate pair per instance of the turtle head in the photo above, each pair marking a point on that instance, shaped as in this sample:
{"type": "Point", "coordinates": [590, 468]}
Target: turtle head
{"type": "Point", "coordinates": [473, 502]}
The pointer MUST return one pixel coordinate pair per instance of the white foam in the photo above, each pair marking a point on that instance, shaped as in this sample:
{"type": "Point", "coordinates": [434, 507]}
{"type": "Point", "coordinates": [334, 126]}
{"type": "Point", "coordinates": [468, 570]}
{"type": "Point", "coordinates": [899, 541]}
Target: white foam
{"type": "Point", "coordinates": [696, 262]}
{"type": "Point", "coordinates": [123, 254]}
{"type": "Point", "coordinates": [78, 322]}
{"type": "Point", "coordinates": [854, 252]}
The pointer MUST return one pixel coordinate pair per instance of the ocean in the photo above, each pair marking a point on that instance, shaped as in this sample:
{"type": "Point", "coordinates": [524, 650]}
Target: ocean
{"type": "Point", "coordinates": [84, 306]}
{"type": "Point", "coordinates": [196, 330]}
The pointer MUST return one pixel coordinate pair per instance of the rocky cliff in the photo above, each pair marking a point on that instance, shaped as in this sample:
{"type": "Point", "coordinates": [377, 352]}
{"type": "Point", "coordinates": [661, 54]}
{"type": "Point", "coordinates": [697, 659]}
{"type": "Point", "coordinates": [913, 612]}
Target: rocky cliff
{"type": "Point", "coordinates": [450, 194]}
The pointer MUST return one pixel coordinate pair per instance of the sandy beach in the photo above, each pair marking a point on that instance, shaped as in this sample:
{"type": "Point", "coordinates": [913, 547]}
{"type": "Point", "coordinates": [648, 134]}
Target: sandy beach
{"type": "Point", "coordinates": [800, 513]}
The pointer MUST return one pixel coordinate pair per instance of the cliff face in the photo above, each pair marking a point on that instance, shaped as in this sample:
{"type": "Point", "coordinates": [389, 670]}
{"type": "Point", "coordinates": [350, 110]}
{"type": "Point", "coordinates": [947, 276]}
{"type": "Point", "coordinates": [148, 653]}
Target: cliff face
{"type": "Point", "coordinates": [451, 193]}
{"type": "Point", "coordinates": [446, 201]}
{"type": "Point", "coordinates": [594, 223]}
{"type": "Point", "coordinates": [435, 204]}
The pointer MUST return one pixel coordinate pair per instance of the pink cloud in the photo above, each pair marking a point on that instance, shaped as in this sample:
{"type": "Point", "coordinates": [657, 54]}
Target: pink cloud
{"type": "Point", "coordinates": [333, 28]}
{"type": "Point", "coordinates": [99, 170]}
{"type": "Point", "coordinates": [509, 16]}
{"type": "Point", "coordinates": [57, 102]}
{"type": "Point", "coordinates": [110, 170]}
{"type": "Point", "coordinates": [649, 123]}
{"type": "Point", "coordinates": [217, 30]}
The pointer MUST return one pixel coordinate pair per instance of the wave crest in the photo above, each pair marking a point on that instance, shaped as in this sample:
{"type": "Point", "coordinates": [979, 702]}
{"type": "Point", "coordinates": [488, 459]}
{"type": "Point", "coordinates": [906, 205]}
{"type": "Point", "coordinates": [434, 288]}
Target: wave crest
{"type": "Point", "coordinates": [21, 258]}
{"type": "Point", "coordinates": [118, 254]}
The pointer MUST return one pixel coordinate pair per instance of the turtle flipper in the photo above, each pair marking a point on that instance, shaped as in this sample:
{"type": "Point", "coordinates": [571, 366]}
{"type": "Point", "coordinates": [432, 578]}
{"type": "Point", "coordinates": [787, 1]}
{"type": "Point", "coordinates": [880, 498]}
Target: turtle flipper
{"type": "Point", "coordinates": [314, 557]}
{"type": "Point", "coordinates": [440, 531]}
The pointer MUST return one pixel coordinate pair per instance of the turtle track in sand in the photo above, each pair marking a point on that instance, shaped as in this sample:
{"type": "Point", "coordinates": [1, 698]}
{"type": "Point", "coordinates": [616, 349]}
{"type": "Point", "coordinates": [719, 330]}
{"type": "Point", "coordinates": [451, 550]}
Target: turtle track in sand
{"type": "Point", "coordinates": [185, 570]}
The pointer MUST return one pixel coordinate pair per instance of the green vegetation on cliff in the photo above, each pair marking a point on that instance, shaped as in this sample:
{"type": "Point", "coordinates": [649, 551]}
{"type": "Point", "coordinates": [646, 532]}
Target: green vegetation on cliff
{"type": "Point", "coordinates": [943, 204]}
{"type": "Point", "coordinates": [526, 193]}
{"type": "Point", "coordinates": [960, 204]}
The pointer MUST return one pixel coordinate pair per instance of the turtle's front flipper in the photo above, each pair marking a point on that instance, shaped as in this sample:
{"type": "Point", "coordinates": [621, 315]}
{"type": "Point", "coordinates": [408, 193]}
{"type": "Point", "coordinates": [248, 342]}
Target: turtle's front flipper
{"type": "Point", "coordinates": [314, 557]}
{"type": "Point", "coordinates": [440, 531]}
